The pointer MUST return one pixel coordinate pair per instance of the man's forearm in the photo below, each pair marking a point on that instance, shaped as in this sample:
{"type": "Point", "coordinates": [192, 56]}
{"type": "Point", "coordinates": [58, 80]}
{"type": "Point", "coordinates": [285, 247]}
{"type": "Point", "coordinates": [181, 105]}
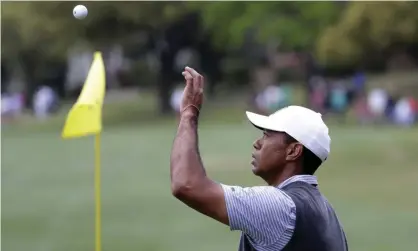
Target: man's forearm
{"type": "Point", "coordinates": [189, 182]}
{"type": "Point", "coordinates": [187, 168]}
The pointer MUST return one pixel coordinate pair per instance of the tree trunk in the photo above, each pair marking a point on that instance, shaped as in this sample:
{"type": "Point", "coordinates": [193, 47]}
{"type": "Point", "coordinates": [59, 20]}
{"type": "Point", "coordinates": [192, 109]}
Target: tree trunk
{"type": "Point", "coordinates": [165, 81]}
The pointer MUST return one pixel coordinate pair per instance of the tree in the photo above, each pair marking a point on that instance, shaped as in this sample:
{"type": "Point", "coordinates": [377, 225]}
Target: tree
{"type": "Point", "coordinates": [368, 32]}
{"type": "Point", "coordinates": [295, 24]}
{"type": "Point", "coordinates": [52, 22]}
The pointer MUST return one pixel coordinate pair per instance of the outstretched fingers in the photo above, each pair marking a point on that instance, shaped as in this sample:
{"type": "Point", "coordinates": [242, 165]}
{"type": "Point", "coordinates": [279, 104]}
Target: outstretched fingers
{"type": "Point", "coordinates": [198, 81]}
{"type": "Point", "coordinates": [187, 75]}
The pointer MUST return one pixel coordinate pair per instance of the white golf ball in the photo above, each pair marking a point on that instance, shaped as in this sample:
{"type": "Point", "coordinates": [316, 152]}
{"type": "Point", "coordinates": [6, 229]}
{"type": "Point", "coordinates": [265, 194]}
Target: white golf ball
{"type": "Point", "coordinates": [80, 12]}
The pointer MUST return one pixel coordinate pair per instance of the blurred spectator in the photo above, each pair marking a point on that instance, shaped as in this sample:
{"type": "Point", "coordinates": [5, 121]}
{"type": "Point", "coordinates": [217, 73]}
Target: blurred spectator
{"type": "Point", "coordinates": [273, 98]}
{"type": "Point", "coordinates": [44, 101]}
{"type": "Point", "coordinates": [175, 100]}
{"type": "Point", "coordinates": [377, 101]}
{"type": "Point", "coordinates": [338, 98]}
{"type": "Point", "coordinates": [361, 109]}
{"type": "Point", "coordinates": [359, 81]}
{"type": "Point", "coordinates": [11, 104]}
{"type": "Point", "coordinates": [414, 104]}
{"type": "Point", "coordinates": [356, 87]}
{"type": "Point", "coordinates": [318, 94]}
{"type": "Point", "coordinates": [403, 113]}
{"type": "Point", "coordinates": [390, 106]}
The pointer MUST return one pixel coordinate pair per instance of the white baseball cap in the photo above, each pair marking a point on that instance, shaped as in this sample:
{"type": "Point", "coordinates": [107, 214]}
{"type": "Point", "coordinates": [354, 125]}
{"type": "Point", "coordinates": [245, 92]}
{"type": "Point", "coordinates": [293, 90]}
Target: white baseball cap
{"type": "Point", "coordinates": [303, 124]}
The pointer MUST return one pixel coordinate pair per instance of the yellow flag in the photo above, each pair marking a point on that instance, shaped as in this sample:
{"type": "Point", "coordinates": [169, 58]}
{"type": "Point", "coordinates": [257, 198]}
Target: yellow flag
{"type": "Point", "coordinates": [85, 117]}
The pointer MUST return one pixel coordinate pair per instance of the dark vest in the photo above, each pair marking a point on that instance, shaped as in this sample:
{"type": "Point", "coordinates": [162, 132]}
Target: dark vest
{"type": "Point", "coordinates": [317, 226]}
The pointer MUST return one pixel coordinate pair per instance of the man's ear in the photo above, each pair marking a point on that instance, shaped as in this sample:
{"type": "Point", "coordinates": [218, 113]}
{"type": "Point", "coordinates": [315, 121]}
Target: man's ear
{"type": "Point", "coordinates": [294, 151]}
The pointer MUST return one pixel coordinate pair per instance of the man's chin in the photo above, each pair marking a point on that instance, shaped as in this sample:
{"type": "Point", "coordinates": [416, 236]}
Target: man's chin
{"type": "Point", "coordinates": [255, 170]}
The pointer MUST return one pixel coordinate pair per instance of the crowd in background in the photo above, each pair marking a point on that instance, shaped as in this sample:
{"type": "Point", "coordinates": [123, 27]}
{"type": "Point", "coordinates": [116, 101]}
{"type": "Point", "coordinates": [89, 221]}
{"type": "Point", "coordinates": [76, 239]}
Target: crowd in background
{"type": "Point", "coordinates": [368, 105]}
{"type": "Point", "coordinates": [343, 98]}
{"type": "Point", "coordinates": [338, 97]}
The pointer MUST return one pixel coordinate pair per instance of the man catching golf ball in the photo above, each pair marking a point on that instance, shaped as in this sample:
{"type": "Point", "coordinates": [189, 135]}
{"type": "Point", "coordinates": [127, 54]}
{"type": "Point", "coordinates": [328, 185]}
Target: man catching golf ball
{"type": "Point", "coordinates": [289, 213]}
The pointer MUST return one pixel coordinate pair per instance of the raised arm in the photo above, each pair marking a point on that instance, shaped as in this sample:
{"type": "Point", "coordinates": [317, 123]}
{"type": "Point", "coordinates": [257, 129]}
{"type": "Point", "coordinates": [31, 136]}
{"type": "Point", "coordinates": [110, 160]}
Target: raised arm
{"type": "Point", "coordinates": [189, 182]}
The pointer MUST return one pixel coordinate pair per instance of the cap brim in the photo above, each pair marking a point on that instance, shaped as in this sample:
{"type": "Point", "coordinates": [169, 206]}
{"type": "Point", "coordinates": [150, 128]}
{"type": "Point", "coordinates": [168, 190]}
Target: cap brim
{"type": "Point", "coordinates": [261, 122]}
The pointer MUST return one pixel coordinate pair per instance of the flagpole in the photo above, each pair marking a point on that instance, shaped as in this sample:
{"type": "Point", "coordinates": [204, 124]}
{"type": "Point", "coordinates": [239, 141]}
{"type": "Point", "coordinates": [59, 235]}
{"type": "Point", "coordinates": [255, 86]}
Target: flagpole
{"type": "Point", "coordinates": [98, 235]}
{"type": "Point", "coordinates": [84, 119]}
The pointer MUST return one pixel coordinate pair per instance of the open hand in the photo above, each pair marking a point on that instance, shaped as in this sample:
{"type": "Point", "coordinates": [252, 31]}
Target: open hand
{"type": "Point", "coordinates": [193, 92]}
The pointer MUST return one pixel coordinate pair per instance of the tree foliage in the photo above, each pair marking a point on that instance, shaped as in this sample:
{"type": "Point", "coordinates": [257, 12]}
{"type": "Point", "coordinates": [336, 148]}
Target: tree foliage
{"type": "Point", "coordinates": [294, 24]}
{"type": "Point", "coordinates": [27, 25]}
{"type": "Point", "coordinates": [368, 29]}
{"type": "Point", "coordinates": [341, 33]}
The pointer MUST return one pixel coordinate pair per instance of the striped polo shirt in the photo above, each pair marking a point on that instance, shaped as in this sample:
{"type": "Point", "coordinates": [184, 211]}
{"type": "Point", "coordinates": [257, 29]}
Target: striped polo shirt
{"type": "Point", "coordinates": [265, 214]}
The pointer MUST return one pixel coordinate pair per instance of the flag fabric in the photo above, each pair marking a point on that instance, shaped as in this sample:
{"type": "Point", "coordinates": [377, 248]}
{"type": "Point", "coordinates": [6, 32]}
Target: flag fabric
{"type": "Point", "coordinates": [85, 117]}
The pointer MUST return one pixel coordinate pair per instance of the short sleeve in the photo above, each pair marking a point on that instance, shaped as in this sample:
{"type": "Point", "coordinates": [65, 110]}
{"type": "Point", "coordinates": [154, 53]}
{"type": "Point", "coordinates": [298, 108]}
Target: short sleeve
{"type": "Point", "coordinates": [264, 213]}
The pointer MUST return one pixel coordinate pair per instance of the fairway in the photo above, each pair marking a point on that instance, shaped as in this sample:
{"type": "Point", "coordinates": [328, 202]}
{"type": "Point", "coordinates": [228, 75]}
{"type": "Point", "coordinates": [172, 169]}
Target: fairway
{"type": "Point", "coordinates": [371, 178]}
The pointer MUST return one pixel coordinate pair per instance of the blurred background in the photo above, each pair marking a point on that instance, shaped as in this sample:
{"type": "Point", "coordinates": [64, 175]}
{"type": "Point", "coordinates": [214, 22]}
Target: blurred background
{"type": "Point", "coordinates": [355, 62]}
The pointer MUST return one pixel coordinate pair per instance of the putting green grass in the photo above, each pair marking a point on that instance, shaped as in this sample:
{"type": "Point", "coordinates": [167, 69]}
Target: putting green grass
{"type": "Point", "coordinates": [371, 178]}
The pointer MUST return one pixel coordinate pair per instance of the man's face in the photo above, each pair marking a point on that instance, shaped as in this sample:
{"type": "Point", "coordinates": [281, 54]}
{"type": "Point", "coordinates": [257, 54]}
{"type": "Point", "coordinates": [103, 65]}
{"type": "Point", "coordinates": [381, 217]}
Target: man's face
{"type": "Point", "coordinates": [270, 153]}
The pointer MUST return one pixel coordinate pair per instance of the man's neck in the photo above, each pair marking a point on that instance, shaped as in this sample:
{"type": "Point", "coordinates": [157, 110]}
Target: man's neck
{"type": "Point", "coordinates": [285, 174]}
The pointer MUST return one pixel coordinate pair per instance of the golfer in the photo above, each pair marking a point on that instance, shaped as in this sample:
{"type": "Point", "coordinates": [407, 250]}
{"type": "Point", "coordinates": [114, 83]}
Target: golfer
{"type": "Point", "coordinates": [288, 214]}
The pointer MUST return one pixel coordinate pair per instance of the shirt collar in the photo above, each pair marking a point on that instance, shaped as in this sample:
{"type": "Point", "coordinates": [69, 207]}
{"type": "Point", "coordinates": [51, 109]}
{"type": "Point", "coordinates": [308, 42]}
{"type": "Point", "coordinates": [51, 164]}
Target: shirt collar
{"type": "Point", "coordinates": [310, 179]}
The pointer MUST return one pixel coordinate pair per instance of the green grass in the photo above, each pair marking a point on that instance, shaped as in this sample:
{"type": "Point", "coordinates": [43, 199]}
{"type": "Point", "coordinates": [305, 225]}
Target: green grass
{"type": "Point", "coordinates": [371, 179]}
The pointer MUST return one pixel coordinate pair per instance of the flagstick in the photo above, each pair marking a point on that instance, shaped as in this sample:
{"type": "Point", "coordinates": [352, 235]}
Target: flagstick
{"type": "Point", "coordinates": [85, 119]}
{"type": "Point", "coordinates": [97, 192]}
